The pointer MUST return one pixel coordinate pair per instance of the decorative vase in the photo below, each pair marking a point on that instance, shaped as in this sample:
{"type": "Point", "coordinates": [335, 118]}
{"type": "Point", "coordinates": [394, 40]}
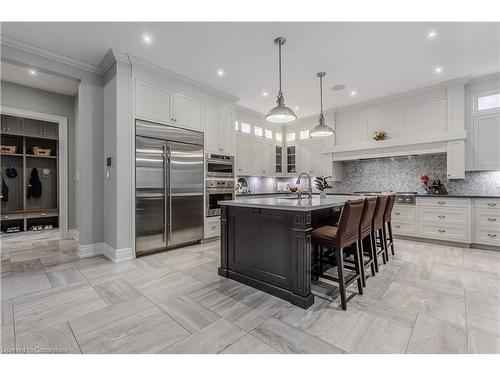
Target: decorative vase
{"type": "Point", "coordinates": [322, 194]}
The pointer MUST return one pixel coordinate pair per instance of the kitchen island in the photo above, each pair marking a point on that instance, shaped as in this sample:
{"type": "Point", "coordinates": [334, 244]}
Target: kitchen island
{"type": "Point", "coordinates": [266, 242]}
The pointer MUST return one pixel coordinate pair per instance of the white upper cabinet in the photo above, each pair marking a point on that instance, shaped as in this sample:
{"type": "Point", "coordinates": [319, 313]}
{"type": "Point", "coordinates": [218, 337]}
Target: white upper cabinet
{"type": "Point", "coordinates": [211, 128]}
{"type": "Point", "coordinates": [187, 112]}
{"type": "Point", "coordinates": [256, 157]}
{"type": "Point", "coordinates": [226, 131]}
{"type": "Point", "coordinates": [152, 103]}
{"type": "Point", "coordinates": [243, 156]}
{"type": "Point", "coordinates": [455, 159]}
{"type": "Point", "coordinates": [311, 159]}
{"type": "Point", "coordinates": [486, 142]}
{"type": "Point", "coordinates": [268, 159]}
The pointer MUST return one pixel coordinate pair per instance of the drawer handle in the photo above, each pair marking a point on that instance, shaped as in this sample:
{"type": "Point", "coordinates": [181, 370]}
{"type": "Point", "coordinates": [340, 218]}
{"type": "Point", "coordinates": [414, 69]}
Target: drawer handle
{"type": "Point", "coordinates": [5, 217]}
{"type": "Point", "coordinates": [492, 204]}
{"type": "Point", "coordinates": [441, 202]}
{"type": "Point", "coordinates": [491, 235]}
{"type": "Point", "coordinates": [42, 214]}
{"type": "Point", "coordinates": [441, 216]}
{"type": "Point", "coordinates": [397, 213]}
{"type": "Point", "coordinates": [397, 226]}
{"type": "Point", "coordinates": [492, 219]}
{"type": "Point", "coordinates": [441, 230]}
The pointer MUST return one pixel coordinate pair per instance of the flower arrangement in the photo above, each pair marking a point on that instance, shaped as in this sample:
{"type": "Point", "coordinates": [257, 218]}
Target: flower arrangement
{"type": "Point", "coordinates": [425, 180]}
{"type": "Point", "coordinates": [379, 135]}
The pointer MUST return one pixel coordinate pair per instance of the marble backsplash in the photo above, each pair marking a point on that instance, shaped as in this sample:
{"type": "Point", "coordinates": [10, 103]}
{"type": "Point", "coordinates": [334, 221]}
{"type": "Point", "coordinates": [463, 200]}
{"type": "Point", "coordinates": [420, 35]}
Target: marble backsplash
{"type": "Point", "coordinates": [394, 174]}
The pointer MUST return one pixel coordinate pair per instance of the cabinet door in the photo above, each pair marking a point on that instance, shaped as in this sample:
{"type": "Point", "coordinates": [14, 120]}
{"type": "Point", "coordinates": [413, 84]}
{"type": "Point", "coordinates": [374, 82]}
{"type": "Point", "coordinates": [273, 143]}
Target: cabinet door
{"type": "Point", "coordinates": [50, 130]}
{"type": "Point", "coordinates": [226, 131]}
{"type": "Point", "coordinates": [318, 160]}
{"type": "Point", "coordinates": [455, 159]}
{"type": "Point", "coordinates": [212, 128]}
{"type": "Point", "coordinates": [188, 112]}
{"type": "Point", "coordinates": [11, 124]}
{"type": "Point", "coordinates": [152, 103]}
{"type": "Point", "coordinates": [486, 141]}
{"type": "Point", "coordinates": [242, 156]}
{"type": "Point", "coordinates": [256, 158]}
{"type": "Point", "coordinates": [268, 159]}
{"type": "Point", "coordinates": [305, 158]}
{"type": "Point", "coordinates": [34, 127]}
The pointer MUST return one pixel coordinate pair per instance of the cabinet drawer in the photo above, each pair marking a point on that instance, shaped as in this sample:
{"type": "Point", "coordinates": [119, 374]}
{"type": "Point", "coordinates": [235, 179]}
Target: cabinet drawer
{"type": "Point", "coordinates": [487, 235]}
{"type": "Point", "coordinates": [401, 212]}
{"type": "Point", "coordinates": [12, 216]}
{"type": "Point", "coordinates": [445, 231]}
{"type": "Point", "coordinates": [493, 203]}
{"type": "Point", "coordinates": [212, 228]}
{"type": "Point", "coordinates": [403, 227]}
{"type": "Point", "coordinates": [34, 215]}
{"type": "Point", "coordinates": [443, 202]}
{"type": "Point", "coordinates": [487, 217]}
{"type": "Point", "coordinates": [443, 215]}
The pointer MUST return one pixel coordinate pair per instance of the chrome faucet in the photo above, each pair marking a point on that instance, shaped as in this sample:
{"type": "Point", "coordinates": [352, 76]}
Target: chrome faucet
{"type": "Point", "coordinates": [309, 190]}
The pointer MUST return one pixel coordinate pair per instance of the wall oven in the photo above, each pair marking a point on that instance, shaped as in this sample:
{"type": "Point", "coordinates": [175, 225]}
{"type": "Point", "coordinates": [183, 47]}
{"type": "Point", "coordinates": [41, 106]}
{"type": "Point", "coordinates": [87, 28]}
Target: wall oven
{"type": "Point", "coordinates": [216, 191]}
{"type": "Point", "coordinates": [220, 166]}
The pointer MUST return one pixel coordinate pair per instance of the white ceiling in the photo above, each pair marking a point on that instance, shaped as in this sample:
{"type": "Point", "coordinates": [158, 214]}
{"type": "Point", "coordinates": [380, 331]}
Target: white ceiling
{"type": "Point", "coordinates": [375, 59]}
{"type": "Point", "coordinates": [41, 80]}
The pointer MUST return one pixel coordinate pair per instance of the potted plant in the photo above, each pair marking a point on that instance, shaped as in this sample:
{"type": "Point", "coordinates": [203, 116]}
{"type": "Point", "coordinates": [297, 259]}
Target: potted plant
{"type": "Point", "coordinates": [322, 184]}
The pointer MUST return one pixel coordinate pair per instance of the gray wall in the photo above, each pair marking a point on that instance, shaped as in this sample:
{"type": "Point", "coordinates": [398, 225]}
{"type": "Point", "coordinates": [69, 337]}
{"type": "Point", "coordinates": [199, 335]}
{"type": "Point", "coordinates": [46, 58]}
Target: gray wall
{"type": "Point", "coordinates": [17, 96]}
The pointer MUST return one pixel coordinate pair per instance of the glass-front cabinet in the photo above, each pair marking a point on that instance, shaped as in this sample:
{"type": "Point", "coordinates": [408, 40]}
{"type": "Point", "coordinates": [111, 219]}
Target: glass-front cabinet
{"type": "Point", "coordinates": [291, 159]}
{"type": "Point", "coordinates": [279, 160]}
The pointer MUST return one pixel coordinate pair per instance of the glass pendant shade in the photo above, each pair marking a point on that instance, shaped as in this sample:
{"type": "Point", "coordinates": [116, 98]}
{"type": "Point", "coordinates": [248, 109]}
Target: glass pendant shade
{"type": "Point", "coordinates": [281, 113]}
{"type": "Point", "coordinates": [321, 130]}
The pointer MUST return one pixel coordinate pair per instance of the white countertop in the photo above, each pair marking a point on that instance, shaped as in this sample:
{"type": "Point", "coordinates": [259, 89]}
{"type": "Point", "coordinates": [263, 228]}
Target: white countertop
{"type": "Point", "coordinates": [292, 204]}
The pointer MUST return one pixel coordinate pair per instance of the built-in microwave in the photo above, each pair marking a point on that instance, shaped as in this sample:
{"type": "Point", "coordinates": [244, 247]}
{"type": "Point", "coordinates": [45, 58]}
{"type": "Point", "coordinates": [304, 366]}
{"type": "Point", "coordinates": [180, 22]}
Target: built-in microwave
{"type": "Point", "coordinates": [220, 166]}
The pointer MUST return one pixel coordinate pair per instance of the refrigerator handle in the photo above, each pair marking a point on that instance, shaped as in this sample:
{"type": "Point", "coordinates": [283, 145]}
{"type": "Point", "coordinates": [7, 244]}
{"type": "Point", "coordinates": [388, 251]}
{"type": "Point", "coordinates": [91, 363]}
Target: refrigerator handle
{"type": "Point", "coordinates": [169, 195]}
{"type": "Point", "coordinates": [164, 232]}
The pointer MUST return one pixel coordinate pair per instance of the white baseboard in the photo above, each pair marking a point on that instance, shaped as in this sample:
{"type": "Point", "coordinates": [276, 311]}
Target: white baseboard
{"type": "Point", "coordinates": [90, 250]}
{"type": "Point", "coordinates": [102, 248]}
{"type": "Point", "coordinates": [117, 255]}
{"type": "Point", "coordinates": [73, 233]}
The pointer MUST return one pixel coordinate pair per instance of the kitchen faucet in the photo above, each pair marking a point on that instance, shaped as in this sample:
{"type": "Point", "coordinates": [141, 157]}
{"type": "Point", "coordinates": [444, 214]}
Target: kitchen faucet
{"type": "Point", "coordinates": [309, 190]}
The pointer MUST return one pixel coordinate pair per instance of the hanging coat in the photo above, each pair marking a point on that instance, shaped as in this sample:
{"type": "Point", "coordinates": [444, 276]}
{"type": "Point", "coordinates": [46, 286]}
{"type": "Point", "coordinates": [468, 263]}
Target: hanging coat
{"type": "Point", "coordinates": [5, 191]}
{"type": "Point", "coordinates": [34, 185]}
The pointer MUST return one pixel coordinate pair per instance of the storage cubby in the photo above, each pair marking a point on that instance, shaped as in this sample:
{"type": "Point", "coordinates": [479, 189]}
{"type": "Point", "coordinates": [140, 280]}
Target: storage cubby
{"type": "Point", "coordinates": [19, 210]}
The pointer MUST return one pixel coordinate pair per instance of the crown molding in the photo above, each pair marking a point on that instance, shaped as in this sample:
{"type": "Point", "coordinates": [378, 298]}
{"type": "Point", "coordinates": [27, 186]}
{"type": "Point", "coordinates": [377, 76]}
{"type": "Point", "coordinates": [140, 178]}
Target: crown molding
{"type": "Point", "coordinates": [30, 48]}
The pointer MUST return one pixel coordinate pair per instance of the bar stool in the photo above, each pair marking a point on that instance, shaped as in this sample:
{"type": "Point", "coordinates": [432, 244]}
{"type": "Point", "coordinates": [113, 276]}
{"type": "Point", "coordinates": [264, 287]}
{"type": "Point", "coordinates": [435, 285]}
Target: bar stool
{"type": "Point", "coordinates": [336, 240]}
{"type": "Point", "coordinates": [388, 226]}
{"type": "Point", "coordinates": [378, 238]}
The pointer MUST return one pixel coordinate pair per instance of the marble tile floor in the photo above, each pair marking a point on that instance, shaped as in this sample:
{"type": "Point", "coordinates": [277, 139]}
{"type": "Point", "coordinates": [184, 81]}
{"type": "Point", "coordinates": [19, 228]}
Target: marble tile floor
{"type": "Point", "coordinates": [427, 299]}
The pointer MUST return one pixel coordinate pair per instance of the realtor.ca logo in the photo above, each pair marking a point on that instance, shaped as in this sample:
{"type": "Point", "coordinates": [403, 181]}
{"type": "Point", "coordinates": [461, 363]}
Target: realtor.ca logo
{"type": "Point", "coordinates": [34, 350]}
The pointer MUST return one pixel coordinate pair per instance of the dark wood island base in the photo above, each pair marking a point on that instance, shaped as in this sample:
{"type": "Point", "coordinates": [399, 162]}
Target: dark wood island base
{"type": "Point", "coordinates": [270, 249]}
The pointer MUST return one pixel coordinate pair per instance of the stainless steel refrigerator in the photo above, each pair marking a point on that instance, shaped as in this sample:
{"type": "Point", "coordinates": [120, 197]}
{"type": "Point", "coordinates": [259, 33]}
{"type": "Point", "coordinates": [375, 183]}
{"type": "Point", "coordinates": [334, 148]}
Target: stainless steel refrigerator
{"type": "Point", "coordinates": [169, 186]}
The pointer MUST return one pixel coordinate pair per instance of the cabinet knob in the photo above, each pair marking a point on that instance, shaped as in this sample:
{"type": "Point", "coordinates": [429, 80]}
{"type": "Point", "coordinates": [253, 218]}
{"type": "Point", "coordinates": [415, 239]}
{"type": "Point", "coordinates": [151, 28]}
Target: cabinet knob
{"type": "Point", "coordinates": [491, 235]}
{"type": "Point", "coordinates": [441, 230]}
{"type": "Point", "coordinates": [42, 214]}
{"type": "Point", "coordinates": [441, 216]}
{"type": "Point", "coordinates": [5, 217]}
{"type": "Point", "coordinates": [212, 227]}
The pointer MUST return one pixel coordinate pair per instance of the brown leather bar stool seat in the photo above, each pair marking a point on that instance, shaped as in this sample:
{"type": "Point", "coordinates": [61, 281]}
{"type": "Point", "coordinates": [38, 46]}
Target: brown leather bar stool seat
{"type": "Point", "coordinates": [388, 226]}
{"type": "Point", "coordinates": [378, 238]}
{"type": "Point", "coordinates": [365, 241]}
{"type": "Point", "coordinates": [335, 240]}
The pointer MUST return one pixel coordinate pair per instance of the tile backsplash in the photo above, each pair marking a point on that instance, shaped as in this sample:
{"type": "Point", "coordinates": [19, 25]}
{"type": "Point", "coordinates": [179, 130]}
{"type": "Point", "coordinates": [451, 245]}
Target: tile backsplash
{"type": "Point", "coordinates": [394, 174]}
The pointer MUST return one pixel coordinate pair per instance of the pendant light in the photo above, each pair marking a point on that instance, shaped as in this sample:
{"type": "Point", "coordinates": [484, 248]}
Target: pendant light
{"type": "Point", "coordinates": [281, 113]}
{"type": "Point", "coordinates": [321, 130]}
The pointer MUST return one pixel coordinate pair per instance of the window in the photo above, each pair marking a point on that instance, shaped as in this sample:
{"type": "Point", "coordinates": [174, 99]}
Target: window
{"type": "Point", "coordinates": [290, 137]}
{"type": "Point", "coordinates": [236, 126]}
{"type": "Point", "coordinates": [269, 134]}
{"type": "Point", "coordinates": [488, 102]}
{"type": "Point", "coordinates": [257, 131]}
{"type": "Point", "coordinates": [279, 136]}
{"type": "Point", "coordinates": [304, 134]}
{"type": "Point", "coordinates": [245, 128]}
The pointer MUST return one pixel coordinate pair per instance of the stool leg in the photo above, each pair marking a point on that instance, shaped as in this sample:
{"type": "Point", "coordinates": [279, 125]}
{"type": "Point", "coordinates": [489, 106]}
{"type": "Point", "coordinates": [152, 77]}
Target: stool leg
{"type": "Point", "coordinates": [391, 238]}
{"type": "Point", "coordinates": [360, 266]}
{"type": "Point", "coordinates": [386, 239]}
{"type": "Point", "coordinates": [372, 257]}
{"type": "Point", "coordinates": [373, 240]}
{"type": "Point", "coordinates": [382, 243]}
{"type": "Point", "coordinates": [340, 267]}
{"type": "Point", "coordinates": [359, 246]}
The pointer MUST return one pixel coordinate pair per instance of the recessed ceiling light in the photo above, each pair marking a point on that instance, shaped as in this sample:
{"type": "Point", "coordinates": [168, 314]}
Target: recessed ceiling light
{"type": "Point", "coordinates": [265, 93]}
{"type": "Point", "coordinates": [220, 73]}
{"type": "Point", "coordinates": [296, 108]}
{"type": "Point", "coordinates": [353, 93]}
{"type": "Point", "coordinates": [431, 34]}
{"type": "Point", "coordinates": [338, 87]}
{"type": "Point", "coordinates": [146, 38]}
{"type": "Point", "coordinates": [33, 72]}
{"type": "Point", "coordinates": [438, 69]}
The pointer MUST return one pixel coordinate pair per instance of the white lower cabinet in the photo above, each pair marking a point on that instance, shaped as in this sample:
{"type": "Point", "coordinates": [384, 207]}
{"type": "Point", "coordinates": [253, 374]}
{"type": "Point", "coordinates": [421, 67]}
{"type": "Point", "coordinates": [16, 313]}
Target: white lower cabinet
{"type": "Point", "coordinates": [212, 227]}
{"type": "Point", "coordinates": [404, 220]}
{"type": "Point", "coordinates": [486, 221]}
